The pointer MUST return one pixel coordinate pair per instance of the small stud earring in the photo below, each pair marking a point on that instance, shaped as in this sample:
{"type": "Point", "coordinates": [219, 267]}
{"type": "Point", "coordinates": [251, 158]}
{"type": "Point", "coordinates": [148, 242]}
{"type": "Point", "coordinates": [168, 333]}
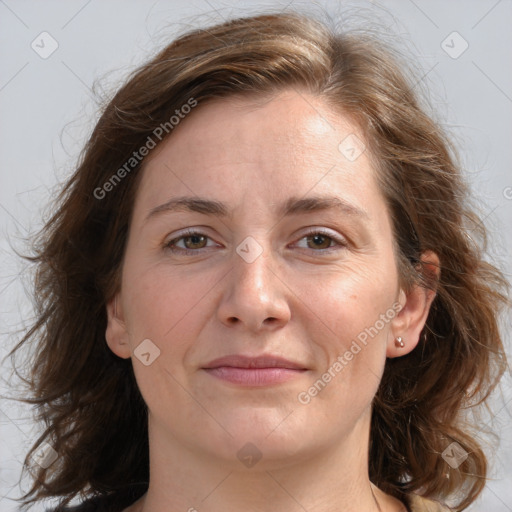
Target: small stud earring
{"type": "Point", "coordinates": [399, 342]}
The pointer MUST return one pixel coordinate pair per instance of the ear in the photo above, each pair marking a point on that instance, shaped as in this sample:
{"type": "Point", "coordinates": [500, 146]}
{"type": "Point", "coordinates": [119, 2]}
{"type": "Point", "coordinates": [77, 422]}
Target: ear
{"type": "Point", "coordinates": [409, 322]}
{"type": "Point", "coordinates": [116, 333]}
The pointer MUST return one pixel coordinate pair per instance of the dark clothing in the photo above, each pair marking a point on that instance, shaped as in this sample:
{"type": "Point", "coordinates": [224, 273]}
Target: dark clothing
{"type": "Point", "coordinates": [115, 502]}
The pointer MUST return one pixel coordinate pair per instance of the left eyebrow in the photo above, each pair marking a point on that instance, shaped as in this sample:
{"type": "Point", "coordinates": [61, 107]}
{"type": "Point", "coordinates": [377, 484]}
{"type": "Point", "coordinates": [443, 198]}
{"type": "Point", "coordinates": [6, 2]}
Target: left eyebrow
{"type": "Point", "coordinates": [293, 206]}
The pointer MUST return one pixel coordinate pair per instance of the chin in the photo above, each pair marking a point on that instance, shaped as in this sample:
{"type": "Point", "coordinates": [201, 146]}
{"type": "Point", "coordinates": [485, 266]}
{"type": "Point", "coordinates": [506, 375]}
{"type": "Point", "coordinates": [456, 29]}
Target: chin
{"type": "Point", "coordinates": [275, 435]}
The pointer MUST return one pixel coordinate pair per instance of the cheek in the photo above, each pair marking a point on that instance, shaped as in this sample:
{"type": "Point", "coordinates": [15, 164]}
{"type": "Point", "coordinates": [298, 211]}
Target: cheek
{"type": "Point", "coordinates": [349, 330]}
{"type": "Point", "coordinates": [345, 303]}
{"type": "Point", "coordinates": [349, 338]}
{"type": "Point", "coordinates": [167, 309]}
{"type": "Point", "coordinates": [163, 305]}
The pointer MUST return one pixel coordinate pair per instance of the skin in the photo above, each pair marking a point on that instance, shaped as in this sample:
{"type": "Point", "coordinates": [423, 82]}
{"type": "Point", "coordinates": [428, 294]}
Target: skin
{"type": "Point", "coordinates": [303, 298]}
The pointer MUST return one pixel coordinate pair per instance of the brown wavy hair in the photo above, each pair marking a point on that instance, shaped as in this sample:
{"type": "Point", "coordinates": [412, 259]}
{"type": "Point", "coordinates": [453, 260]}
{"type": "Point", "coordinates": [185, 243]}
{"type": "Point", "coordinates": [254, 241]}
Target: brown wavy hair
{"type": "Point", "coordinates": [87, 397]}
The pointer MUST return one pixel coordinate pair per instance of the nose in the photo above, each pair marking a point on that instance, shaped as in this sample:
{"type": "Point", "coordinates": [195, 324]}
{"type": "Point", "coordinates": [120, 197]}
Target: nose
{"type": "Point", "coordinates": [254, 295]}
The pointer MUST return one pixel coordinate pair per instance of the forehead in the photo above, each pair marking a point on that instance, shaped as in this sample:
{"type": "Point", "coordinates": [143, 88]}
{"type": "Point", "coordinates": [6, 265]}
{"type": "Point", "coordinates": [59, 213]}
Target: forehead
{"type": "Point", "coordinates": [291, 120]}
{"type": "Point", "coordinates": [266, 147]}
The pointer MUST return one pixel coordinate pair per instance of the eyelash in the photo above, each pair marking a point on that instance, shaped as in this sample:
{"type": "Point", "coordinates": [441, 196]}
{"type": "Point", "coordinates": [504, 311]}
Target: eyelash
{"type": "Point", "coordinates": [170, 247]}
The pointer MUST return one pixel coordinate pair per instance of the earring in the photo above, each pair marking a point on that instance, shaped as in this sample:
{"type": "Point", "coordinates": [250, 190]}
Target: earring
{"type": "Point", "coordinates": [399, 343]}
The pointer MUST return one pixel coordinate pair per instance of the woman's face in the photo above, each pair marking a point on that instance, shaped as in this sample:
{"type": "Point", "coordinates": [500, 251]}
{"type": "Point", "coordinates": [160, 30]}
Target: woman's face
{"type": "Point", "coordinates": [293, 258]}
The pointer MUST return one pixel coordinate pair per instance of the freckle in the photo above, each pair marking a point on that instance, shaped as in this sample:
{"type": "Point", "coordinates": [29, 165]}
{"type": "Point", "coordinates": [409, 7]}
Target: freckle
{"type": "Point", "coordinates": [353, 297]}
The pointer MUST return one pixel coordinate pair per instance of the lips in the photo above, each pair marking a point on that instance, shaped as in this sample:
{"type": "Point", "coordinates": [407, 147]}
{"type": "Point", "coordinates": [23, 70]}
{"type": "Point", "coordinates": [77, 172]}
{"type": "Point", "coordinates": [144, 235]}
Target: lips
{"type": "Point", "coordinates": [265, 361]}
{"type": "Point", "coordinates": [245, 371]}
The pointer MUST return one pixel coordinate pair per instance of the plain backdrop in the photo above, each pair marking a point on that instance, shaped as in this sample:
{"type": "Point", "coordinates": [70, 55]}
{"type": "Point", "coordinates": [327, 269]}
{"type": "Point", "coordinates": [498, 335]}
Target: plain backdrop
{"type": "Point", "coordinates": [462, 50]}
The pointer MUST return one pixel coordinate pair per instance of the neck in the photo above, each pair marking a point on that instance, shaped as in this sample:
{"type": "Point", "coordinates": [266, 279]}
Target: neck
{"type": "Point", "coordinates": [328, 480]}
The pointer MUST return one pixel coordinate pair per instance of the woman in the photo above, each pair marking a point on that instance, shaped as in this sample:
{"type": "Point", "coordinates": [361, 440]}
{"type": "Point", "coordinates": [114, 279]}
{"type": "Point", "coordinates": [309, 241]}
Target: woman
{"type": "Point", "coordinates": [263, 289]}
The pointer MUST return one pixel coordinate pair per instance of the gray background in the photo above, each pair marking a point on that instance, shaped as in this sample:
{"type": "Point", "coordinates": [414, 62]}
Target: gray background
{"type": "Point", "coordinates": [47, 109]}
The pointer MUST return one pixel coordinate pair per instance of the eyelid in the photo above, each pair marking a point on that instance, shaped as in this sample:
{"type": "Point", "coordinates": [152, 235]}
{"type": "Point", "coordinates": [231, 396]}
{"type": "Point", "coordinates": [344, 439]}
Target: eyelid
{"type": "Point", "coordinates": [340, 240]}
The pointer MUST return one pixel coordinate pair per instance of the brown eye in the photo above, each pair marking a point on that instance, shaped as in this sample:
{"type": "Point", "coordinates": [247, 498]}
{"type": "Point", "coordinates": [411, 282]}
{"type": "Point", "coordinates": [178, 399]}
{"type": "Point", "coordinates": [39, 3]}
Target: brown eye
{"type": "Point", "coordinates": [322, 242]}
{"type": "Point", "coordinates": [191, 243]}
{"type": "Point", "coordinates": [319, 241]}
{"type": "Point", "coordinates": [196, 241]}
